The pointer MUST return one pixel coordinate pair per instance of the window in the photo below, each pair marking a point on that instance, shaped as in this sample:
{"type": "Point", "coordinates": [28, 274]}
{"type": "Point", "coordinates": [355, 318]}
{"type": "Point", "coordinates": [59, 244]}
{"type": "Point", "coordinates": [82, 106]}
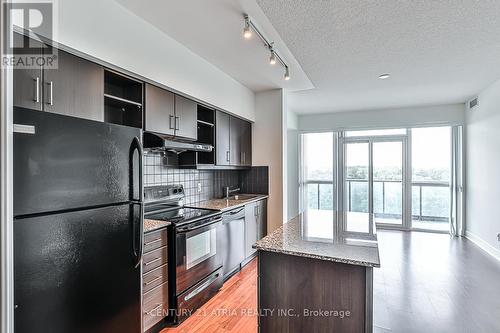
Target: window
{"type": "Point", "coordinates": [401, 176]}
{"type": "Point", "coordinates": [431, 175]}
{"type": "Point", "coordinates": [317, 161]}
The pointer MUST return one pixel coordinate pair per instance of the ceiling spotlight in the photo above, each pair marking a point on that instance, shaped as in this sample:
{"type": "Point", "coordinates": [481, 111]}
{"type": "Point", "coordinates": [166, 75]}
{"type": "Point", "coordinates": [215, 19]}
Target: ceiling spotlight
{"type": "Point", "coordinates": [384, 76]}
{"type": "Point", "coordinates": [272, 58]}
{"type": "Point", "coordinates": [247, 33]}
{"type": "Point", "coordinates": [287, 74]}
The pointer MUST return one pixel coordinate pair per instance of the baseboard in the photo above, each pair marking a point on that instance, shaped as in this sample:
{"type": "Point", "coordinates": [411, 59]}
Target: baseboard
{"type": "Point", "coordinates": [495, 253]}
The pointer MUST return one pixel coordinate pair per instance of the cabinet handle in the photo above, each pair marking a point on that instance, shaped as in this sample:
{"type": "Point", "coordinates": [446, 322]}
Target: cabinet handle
{"type": "Point", "coordinates": [51, 93]}
{"type": "Point", "coordinates": [256, 211]}
{"type": "Point", "coordinates": [37, 90]}
{"type": "Point", "coordinates": [227, 155]}
{"type": "Point", "coordinates": [152, 242]}
{"type": "Point", "coordinates": [152, 261]}
{"type": "Point", "coordinates": [153, 309]}
{"type": "Point", "coordinates": [170, 117]}
{"type": "Point", "coordinates": [177, 123]}
{"type": "Point", "coordinates": [153, 281]}
{"type": "Point", "coordinates": [244, 158]}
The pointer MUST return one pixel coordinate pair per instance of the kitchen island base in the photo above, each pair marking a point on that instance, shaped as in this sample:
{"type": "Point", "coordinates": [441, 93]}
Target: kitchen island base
{"type": "Point", "coordinates": [300, 294]}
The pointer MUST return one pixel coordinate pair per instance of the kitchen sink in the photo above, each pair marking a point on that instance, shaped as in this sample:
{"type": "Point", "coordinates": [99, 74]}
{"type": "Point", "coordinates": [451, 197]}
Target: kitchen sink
{"type": "Point", "coordinates": [243, 197]}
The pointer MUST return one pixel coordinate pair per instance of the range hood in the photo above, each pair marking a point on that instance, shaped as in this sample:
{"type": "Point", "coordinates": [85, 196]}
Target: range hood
{"type": "Point", "coordinates": [156, 142]}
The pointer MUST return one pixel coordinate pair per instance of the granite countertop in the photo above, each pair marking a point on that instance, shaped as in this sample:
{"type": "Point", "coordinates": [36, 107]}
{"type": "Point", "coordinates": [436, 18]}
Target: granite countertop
{"type": "Point", "coordinates": [152, 225]}
{"type": "Point", "coordinates": [227, 204]}
{"type": "Point", "coordinates": [344, 237]}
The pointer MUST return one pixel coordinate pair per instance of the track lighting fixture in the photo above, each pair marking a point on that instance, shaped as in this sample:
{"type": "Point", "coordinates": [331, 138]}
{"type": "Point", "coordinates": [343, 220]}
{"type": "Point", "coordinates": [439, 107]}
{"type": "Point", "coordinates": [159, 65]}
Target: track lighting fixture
{"type": "Point", "coordinates": [274, 57]}
{"type": "Point", "coordinates": [247, 33]}
{"type": "Point", "coordinates": [287, 74]}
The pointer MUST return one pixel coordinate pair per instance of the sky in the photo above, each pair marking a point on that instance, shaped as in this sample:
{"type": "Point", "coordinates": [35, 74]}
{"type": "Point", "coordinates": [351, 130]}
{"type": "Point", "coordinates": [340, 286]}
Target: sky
{"type": "Point", "coordinates": [430, 149]}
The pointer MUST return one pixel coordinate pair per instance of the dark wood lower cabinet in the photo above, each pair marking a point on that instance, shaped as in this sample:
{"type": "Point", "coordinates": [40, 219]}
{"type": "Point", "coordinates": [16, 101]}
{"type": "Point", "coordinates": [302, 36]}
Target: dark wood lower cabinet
{"type": "Point", "coordinates": [298, 294]}
{"type": "Point", "coordinates": [154, 280]}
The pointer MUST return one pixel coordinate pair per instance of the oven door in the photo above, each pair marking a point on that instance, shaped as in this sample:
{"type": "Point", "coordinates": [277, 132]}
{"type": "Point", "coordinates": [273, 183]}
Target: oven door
{"type": "Point", "coordinates": [198, 252]}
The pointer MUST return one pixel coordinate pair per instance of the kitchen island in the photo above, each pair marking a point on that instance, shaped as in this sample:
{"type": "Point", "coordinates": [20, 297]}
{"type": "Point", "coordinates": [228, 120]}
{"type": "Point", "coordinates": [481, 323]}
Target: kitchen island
{"type": "Point", "coordinates": [316, 273]}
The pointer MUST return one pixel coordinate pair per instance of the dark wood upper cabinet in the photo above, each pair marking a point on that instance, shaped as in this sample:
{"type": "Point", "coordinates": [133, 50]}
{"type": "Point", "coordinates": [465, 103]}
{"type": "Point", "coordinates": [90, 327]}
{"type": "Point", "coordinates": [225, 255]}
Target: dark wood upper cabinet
{"type": "Point", "coordinates": [246, 143]}
{"type": "Point", "coordinates": [27, 83]}
{"type": "Point", "coordinates": [222, 148]}
{"type": "Point", "coordinates": [235, 140]}
{"type": "Point", "coordinates": [186, 116]}
{"type": "Point", "coordinates": [75, 88]}
{"type": "Point", "coordinates": [170, 114]}
{"type": "Point", "coordinates": [160, 110]}
{"type": "Point", "coordinates": [123, 99]}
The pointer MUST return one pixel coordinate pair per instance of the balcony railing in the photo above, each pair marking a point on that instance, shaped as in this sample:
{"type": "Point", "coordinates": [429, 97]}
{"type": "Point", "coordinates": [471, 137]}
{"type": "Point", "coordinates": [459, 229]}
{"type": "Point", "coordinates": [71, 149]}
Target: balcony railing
{"type": "Point", "coordinates": [430, 200]}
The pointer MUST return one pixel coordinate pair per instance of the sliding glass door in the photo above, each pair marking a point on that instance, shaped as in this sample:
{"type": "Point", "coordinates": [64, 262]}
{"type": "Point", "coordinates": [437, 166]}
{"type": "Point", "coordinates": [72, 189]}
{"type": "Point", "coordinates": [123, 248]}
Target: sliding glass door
{"type": "Point", "coordinates": [357, 180]}
{"type": "Point", "coordinates": [374, 174]}
{"type": "Point", "coordinates": [388, 182]}
{"type": "Point", "coordinates": [407, 178]}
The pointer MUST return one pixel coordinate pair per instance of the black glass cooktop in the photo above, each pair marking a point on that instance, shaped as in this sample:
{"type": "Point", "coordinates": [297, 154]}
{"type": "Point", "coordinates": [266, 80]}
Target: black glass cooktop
{"type": "Point", "coordinates": [178, 215]}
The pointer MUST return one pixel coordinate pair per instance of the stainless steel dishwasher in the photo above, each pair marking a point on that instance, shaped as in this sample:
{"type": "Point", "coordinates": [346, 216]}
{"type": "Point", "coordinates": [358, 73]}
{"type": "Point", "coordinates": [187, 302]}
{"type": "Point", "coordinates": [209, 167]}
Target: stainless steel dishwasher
{"type": "Point", "coordinates": [233, 240]}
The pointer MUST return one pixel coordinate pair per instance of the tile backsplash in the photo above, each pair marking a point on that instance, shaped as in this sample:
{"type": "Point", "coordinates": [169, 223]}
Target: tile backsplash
{"type": "Point", "coordinates": [211, 182]}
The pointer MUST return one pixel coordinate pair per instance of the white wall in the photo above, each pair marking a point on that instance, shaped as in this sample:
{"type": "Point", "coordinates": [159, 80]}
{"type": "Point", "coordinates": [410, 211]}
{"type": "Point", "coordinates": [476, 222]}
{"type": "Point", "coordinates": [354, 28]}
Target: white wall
{"type": "Point", "coordinates": [452, 114]}
{"type": "Point", "coordinates": [267, 149]}
{"type": "Point", "coordinates": [292, 165]}
{"type": "Point", "coordinates": [482, 170]}
{"type": "Point", "coordinates": [108, 31]}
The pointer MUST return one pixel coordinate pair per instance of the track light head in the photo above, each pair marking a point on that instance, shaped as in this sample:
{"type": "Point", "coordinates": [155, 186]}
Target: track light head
{"type": "Point", "coordinates": [247, 32]}
{"type": "Point", "coordinates": [287, 74]}
{"type": "Point", "coordinates": [272, 58]}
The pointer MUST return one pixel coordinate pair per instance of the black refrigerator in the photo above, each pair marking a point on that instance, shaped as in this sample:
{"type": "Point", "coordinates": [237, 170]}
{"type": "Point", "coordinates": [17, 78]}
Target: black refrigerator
{"type": "Point", "coordinates": [77, 224]}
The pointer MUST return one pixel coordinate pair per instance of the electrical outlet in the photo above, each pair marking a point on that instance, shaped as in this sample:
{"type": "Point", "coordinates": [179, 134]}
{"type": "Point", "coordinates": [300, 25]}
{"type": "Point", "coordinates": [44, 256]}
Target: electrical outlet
{"type": "Point", "coordinates": [199, 190]}
{"type": "Point", "coordinates": [498, 236]}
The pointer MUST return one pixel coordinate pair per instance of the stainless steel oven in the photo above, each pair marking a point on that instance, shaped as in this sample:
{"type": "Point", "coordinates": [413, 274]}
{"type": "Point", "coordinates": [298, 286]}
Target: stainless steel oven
{"type": "Point", "coordinates": [198, 251]}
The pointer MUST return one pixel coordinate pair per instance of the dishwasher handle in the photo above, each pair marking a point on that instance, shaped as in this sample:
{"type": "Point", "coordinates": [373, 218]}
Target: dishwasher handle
{"type": "Point", "coordinates": [235, 214]}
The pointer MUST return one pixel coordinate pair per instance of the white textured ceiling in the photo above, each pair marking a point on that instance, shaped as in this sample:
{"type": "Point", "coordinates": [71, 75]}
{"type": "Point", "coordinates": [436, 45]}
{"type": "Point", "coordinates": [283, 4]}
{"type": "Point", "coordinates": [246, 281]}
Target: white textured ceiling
{"type": "Point", "coordinates": [438, 51]}
{"type": "Point", "coordinates": [213, 30]}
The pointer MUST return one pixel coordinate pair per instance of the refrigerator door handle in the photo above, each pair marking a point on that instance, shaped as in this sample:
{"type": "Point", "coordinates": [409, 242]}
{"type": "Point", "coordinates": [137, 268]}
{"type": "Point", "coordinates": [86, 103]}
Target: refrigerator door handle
{"type": "Point", "coordinates": [137, 241]}
{"type": "Point", "coordinates": [136, 145]}
{"type": "Point", "coordinates": [136, 232]}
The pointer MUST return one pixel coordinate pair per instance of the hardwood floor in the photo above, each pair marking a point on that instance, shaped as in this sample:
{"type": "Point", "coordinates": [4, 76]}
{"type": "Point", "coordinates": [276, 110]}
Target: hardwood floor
{"type": "Point", "coordinates": [233, 309]}
{"type": "Point", "coordinates": [428, 283]}
{"type": "Point", "coordinates": [433, 283]}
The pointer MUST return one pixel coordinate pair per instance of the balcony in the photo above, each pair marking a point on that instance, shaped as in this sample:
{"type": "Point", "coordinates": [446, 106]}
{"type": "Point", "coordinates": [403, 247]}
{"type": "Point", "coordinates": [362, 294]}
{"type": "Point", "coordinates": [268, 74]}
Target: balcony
{"type": "Point", "coordinates": [430, 201]}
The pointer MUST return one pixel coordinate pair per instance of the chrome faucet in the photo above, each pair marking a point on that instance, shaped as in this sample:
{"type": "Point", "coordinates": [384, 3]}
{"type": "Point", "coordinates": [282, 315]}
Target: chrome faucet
{"type": "Point", "coordinates": [228, 191]}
